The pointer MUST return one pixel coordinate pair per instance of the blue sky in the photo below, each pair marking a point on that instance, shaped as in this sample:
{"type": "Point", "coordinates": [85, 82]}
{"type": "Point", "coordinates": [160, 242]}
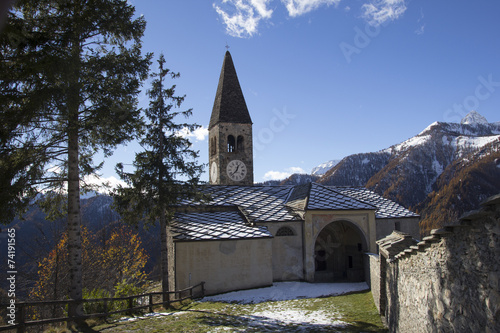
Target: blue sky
{"type": "Point", "coordinates": [324, 79]}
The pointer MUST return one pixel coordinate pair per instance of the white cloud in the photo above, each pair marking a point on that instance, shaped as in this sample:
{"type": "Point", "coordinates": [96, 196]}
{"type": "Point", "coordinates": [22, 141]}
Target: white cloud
{"type": "Point", "coordinates": [278, 175]}
{"type": "Point", "coordinates": [300, 7]}
{"type": "Point", "coordinates": [242, 17]}
{"type": "Point", "coordinates": [199, 134]}
{"type": "Point", "coordinates": [378, 12]}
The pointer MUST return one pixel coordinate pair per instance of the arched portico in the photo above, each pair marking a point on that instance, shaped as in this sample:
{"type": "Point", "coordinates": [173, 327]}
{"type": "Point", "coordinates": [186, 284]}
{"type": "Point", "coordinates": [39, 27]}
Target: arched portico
{"type": "Point", "coordinates": [339, 253]}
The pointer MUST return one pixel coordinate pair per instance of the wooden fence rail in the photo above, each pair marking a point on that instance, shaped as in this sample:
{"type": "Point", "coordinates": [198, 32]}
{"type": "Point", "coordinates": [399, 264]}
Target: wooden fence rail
{"type": "Point", "coordinates": [144, 301]}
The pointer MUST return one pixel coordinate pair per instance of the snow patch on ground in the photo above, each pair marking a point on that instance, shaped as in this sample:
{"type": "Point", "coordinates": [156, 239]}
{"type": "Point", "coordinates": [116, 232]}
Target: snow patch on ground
{"type": "Point", "coordinates": [150, 315]}
{"type": "Point", "coordinates": [281, 313]}
{"type": "Point", "coordinates": [283, 291]}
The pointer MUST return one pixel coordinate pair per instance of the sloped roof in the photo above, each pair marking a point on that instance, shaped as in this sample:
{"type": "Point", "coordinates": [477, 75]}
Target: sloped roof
{"type": "Point", "coordinates": [313, 196]}
{"type": "Point", "coordinates": [385, 208]}
{"type": "Point", "coordinates": [327, 198]}
{"type": "Point", "coordinates": [229, 104]}
{"type": "Point", "coordinates": [224, 225]}
{"type": "Point", "coordinates": [259, 203]}
{"type": "Point", "coordinates": [246, 205]}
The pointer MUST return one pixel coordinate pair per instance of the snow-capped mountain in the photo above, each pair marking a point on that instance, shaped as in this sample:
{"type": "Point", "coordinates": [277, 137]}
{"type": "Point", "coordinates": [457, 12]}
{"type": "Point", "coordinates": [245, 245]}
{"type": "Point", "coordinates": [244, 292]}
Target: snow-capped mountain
{"type": "Point", "coordinates": [414, 170]}
{"type": "Point", "coordinates": [324, 167]}
{"type": "Point", "coordinates": [474, 117]}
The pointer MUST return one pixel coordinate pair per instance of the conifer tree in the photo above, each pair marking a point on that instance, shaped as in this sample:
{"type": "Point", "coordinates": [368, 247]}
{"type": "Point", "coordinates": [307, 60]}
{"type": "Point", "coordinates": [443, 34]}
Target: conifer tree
{"type": "Point", "coordinates": [70, 75]}
{"type": "Point", "coordinates": [166, 172]}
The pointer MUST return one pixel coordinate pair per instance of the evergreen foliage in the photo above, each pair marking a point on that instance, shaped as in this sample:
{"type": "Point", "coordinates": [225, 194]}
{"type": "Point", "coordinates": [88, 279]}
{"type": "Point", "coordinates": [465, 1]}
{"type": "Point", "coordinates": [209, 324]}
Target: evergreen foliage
{"type": "Point", "coordinates": [71, 73]}
{"type": "Point", "coordinates": [167, 171]}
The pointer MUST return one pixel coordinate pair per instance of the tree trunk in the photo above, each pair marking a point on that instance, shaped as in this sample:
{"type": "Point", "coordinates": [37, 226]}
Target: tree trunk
{"type": "Point", "coordinates": [165, 287]}
{"type": "Point", "coordinates": [74, 218]}
{"type": "Point", "coordinates": [74, 221]}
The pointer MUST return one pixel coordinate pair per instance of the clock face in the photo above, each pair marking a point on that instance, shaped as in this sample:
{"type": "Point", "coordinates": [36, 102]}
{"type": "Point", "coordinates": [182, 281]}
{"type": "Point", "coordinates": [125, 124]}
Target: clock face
{"type": "Point", "coordinates": [236, 170]}
{"type": "Point", "coordinates": [213, 172]}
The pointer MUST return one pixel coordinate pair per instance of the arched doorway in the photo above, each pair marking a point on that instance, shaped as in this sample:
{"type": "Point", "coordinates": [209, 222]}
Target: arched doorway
{"type": "Point", "coordinates": [339, 253]}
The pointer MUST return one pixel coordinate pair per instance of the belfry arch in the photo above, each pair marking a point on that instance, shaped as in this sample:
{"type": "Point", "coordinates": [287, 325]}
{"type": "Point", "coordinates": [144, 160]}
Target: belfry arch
{"type": "Point", "coordinates": [339, 253]}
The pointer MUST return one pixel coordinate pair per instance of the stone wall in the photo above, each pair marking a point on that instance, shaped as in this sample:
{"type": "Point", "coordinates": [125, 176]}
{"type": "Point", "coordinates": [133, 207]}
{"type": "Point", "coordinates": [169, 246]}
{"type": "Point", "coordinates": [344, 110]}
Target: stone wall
{"type": "Point", "coordinates": [224, 265]}
{"type": "Point", "coordinates": [449, 282]}
{"type": "Point", "coordinates": [407, 225]}
{"type": "Point", "coordinates": [373, 276]}
{"type": "Point", "coordinates": [287, 251]}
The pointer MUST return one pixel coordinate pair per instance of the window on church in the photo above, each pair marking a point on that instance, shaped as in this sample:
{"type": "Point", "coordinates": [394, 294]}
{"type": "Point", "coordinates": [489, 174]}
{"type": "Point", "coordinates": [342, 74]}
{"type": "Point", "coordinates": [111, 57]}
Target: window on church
{"type": "Point", "coordinates": [239, 143]}
{"type": "Point", "coordinates": [213, 146]}
{"type": "Point", "coordinates": [231, 147]}
{"type": "Point", "coordinates": [285, 231]}
{"type": "Point", "coordinates": [397, 226]}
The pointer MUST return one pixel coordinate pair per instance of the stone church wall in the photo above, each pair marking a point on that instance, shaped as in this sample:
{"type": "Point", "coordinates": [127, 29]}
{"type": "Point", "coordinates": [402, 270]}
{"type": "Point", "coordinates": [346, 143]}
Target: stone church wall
{"type": "Point", "coordinates": [449, 282]}
{"type": "Point", "coordinates": [287, 251]}
{"type": "Point", "coordinates": [407, 225]}
{"type": "Point", "coordinates": [225, 265]}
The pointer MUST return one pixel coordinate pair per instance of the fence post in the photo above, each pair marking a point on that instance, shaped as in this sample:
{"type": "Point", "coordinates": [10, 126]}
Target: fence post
{"type": "Point", "coordinates": [22, 313]}
{"type": "Point", "coordinates": [150, 303]}
{"type": "Point", "coordinates": [130, 305]}
{"type": "Point", "coordinates": [106, 307]}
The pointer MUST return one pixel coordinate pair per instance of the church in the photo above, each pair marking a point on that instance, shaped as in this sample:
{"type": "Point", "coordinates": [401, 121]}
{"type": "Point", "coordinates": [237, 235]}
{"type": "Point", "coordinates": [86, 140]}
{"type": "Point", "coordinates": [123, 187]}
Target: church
{"type": "Point", "coordinates": [248, 236]}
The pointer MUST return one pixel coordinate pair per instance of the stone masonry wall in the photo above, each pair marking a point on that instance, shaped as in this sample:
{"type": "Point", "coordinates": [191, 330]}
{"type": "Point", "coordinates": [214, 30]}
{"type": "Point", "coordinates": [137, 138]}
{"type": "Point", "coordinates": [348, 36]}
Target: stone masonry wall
{"type": "Point", "coordinates": [373, 277]}
{"type": "Point", "coordinates": [449, 282]}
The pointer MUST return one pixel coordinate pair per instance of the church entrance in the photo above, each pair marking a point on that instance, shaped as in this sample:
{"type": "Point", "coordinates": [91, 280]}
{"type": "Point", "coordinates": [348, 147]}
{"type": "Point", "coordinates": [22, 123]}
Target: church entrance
{"type": "Point", "coordinates": [338, 253]}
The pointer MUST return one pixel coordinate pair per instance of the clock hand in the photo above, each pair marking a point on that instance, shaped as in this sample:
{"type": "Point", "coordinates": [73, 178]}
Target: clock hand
{"type": "Point", "coordinates": [237, 167]}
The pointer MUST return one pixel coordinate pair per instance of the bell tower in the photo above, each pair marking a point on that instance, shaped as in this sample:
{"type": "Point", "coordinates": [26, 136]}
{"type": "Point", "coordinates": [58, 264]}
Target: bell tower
{"type": "Point", "coordinates": [230, 132]}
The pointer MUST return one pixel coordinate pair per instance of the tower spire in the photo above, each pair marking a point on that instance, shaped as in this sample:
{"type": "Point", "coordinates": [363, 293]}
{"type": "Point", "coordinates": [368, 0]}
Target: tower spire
{"type": "Point", "coordinates": [229, 105]}
{"type": "Point", "coordinates": [230, 132]}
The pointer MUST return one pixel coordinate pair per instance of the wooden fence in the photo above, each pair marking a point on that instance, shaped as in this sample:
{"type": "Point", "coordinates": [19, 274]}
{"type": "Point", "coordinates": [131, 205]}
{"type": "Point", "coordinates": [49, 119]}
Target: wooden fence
{"type": "Point", "coordinates": [144, 301]}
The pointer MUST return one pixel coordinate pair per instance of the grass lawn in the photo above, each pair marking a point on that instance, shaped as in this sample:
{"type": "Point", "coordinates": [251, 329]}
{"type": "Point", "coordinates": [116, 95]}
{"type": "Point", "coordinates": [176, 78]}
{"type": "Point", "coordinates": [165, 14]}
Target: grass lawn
{"type": "Point", "coordinates": [348, 313]}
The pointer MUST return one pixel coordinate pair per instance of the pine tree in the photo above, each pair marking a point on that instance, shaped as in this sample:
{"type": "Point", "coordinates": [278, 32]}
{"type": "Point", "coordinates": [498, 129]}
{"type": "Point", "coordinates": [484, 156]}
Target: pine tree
{"type": "Point", "coordinates": [166, 172]}
{"type": "Point", "coordinates": [71, 73]}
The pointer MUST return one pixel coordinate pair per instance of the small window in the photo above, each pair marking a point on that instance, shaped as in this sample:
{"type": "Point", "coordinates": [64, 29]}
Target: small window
{"type": "Point", "coordinates": [230, 144]}
{"type": "Point", "coordinates": [213, 146]}
{"type": "Point", "coordinates": [285, 231]}
{"type": "Point", "coordinates": [350, 262]}
{"type": "Point", "coordinates": [397, 226]}
{"type": "Point", "coordinates": [239, 143]}
{"type": "Point", "coordinates": [360, 247]}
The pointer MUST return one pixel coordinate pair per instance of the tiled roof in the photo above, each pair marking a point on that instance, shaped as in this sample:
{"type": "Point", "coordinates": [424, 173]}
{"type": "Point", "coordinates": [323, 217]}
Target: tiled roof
{"type": "Point", "coordinates": [323, 197]}
{"type": "Point", "coordinates": [298, 197]}
{"type": "Point", "coordinates": [259, 203]}
{"type": "Point", "coordinates": [385, 208]}
{"type": "Point", "coordinates": [232, 209]}
{"type": "Point", "coordinates": [215, 226]}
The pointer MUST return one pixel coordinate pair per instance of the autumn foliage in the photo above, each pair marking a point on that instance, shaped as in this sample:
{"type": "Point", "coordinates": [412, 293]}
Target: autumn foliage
{"type": "Point", "coordinates": [107, 262]}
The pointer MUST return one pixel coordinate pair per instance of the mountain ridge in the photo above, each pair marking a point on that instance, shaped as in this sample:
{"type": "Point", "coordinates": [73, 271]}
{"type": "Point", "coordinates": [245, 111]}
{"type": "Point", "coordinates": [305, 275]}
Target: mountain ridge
{"type": "Point", "coordinates": [414, 171]}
